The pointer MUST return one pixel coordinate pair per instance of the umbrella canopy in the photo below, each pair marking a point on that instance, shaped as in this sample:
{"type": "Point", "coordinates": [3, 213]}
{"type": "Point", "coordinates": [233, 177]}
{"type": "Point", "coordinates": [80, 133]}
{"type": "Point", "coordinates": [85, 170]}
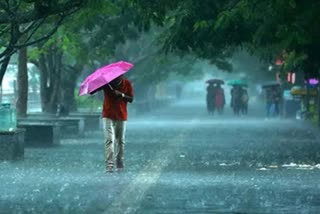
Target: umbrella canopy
{"type": "Point", "coordinates": [238, 82]}
{"type": "Point", "coordinates": [215, 81]}
{"type": "Point", "coordinates": [270, 84]}
{"type": "Point", "coordinates": [102, 76]}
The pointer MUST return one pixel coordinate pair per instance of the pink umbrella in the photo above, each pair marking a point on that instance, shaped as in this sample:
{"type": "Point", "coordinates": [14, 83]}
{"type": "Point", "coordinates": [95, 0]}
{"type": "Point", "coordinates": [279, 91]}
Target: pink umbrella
{"type": "Point", "coordinates": [102, 76]}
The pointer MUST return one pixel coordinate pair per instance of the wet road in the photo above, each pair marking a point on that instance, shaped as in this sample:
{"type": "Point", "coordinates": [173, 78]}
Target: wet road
{"type": "Point", "coordinates": [177, 161]}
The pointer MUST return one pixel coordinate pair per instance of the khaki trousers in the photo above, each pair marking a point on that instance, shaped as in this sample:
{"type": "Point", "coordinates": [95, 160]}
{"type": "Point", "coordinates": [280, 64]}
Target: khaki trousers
{"type": "Point", "coordinates": [114, 133]}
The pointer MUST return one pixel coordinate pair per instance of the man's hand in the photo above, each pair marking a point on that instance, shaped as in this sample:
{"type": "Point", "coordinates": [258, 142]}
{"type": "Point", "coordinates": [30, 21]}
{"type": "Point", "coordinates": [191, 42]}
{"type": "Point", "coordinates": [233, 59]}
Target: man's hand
{"type": "Point", "coordinates": [117, 93]}
{"type": "Point", "coordinates": [123, 96]}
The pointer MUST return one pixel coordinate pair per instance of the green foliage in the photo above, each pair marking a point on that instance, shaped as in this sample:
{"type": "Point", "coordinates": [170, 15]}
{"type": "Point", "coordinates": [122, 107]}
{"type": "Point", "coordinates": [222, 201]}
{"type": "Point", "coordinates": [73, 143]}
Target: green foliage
{"type": "Point", "coordinates": [87, 102]}
{"type": "Point", "coordinates": [150, 65]}
{"type": "Point", "coordinates": [209, 28]}
{"type": "Point", "coordinates": [199, 25]}
{"type": "Point", "coordinates": [34, 53]}
{"type": "Point", "coordinates": [314, 119]}
{"type": "Point", "coordinates": [293, 60]}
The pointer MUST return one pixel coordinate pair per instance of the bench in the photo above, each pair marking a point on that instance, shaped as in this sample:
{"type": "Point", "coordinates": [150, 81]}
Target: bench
{"type": "Point", "coordinates": [40, 133]}
{"type": "Point", "coordinates": [70, 126]}
{"type": "Point", "coordinates": [91, 120]}
{"type": "Point", "coordinates": [12, 144]}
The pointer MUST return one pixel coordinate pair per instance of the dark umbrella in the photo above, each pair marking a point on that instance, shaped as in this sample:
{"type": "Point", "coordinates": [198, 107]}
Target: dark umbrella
{"type": "Point", "coordinates": [215, 81]}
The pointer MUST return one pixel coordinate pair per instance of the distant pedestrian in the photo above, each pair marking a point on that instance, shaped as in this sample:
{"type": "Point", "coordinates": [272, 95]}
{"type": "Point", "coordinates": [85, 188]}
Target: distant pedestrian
{"type": "Point", "coordinates": [268, 98]}
{"type": "Point", "coordinates": [276, 101]}
{"type": "Point", "coordinates": [244, 101]}
{"type": "Point", "coordinates": [273, 98]}
{"type": "Point", "coordinates": [236, 92]}
{"type": "Point", "coordinates": [210, 98]}
{"type": "Point", "coordinates": [114, 115]}
{"type": "Point", "coordinates": [219, 99]}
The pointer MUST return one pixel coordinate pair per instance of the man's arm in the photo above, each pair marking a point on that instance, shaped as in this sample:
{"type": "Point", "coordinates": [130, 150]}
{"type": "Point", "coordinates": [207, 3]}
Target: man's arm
{"type": "Point", "coordinates": [128, 98]}
{"type": "Point", "coordinates": [123, 96]}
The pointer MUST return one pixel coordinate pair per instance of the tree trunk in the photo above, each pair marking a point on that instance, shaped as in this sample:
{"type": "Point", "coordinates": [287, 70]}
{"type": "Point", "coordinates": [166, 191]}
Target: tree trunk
{"type": "Point", "coordinates": [50, 65]}
{"type": "Point", "coordinates": [57, 82]}
{"type": "Point", "coordinates": [68, 87]}
{"type": "Point", "coordinates": [43, 80]}
{"type": "Point", "coordinates": [3, 68]}
{"type": "Point", "coordinates": [22, 82]}
{"type": "Point", "coordinates": [67, 97]}
{"type": "Point", "coordinates": [0, 93]}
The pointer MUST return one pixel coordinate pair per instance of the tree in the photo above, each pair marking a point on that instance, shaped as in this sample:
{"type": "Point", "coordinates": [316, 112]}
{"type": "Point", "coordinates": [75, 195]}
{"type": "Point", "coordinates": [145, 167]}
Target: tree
{"type": "Point", "coordinates": [49, 64]}
{"type": "Point", "coordinates": [84, 43]}
{"type": "Point", "coordinates": [212, 29]}
{"type": "Point", "coordinates": [289, 29]}
{"type": "Point", "coordinates": [188, 30]}
{"type": "Point", "coordinates": [151, 66]}
{"type": "Point", "coordinates": [20, 20]}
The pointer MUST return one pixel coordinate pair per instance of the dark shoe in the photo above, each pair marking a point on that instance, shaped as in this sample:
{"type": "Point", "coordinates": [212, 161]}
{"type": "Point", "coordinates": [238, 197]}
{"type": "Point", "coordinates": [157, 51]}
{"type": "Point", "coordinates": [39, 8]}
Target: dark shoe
{"type": "Point", "coordinates": [119, 169]}
{"type": "Point", "coordinates": [119, 164]}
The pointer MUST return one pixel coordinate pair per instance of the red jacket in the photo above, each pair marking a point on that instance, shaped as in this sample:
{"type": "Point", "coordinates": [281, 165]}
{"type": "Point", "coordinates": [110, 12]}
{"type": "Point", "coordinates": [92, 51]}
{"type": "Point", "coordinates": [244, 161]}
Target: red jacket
{"type": "Point", "coordinates": [114, 107]}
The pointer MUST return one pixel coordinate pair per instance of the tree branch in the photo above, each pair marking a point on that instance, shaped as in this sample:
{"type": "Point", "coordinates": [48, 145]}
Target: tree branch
{"type": "Point", "coordinates": [33, 28]}
{"type": "Point", "coordinates": [4, 30]}
{"type": "Point", "coordinates": [4, 7]}
{"type": "Point", "coordinates": [42, 38]}
{"type": "Point", "coordinates": [3, 68]}
{"type": "Point", "coordinates": [25, 17]}
{"type": "Point", "coordinates": [14, 37]}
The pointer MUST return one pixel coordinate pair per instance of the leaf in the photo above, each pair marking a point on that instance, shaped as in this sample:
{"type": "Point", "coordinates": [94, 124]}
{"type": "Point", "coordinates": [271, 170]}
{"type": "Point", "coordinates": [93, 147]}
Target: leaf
{"type": "Point", "coordinates": [222, 20]}
{"type": "Point", "coordinates": [200, 25]}
{"type": "Point", "coordinates": [292, 3]}
{"type": "Point", "coordinates": [34, 53]}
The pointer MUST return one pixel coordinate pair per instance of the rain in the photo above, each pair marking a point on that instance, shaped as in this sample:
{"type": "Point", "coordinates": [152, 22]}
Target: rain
{"type": "Point", "coordinates": [132, 107]}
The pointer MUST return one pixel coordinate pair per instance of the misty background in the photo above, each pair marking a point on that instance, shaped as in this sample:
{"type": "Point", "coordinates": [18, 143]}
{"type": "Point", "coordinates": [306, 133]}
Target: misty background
{"type": "Point", "coordinates": [178, 158]}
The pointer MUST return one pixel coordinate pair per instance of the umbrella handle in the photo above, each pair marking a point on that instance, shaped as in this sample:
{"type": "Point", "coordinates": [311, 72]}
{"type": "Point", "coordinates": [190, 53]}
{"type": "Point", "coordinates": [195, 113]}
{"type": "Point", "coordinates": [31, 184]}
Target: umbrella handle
{"type": "Point", "coordinates": [110, 87]}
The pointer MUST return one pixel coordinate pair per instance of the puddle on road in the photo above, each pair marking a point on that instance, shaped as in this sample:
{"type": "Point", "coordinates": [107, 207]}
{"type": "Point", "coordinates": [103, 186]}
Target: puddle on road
{"type": "Point", "coordinates": [292, 166]}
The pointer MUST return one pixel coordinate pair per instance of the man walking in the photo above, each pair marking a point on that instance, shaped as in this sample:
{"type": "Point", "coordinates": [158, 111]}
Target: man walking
{"type": "Point", "coordinates": [114, 115]}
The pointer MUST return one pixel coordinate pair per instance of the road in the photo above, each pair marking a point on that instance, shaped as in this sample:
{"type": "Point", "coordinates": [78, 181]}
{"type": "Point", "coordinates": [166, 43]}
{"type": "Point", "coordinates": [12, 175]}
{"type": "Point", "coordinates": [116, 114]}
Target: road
{"type": "Point", "coordinates": [178, 160]}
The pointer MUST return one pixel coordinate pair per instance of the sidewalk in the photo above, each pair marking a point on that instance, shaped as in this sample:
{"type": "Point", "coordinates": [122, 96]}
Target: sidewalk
{"type": "Point", "coordinates": [178, 160]}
